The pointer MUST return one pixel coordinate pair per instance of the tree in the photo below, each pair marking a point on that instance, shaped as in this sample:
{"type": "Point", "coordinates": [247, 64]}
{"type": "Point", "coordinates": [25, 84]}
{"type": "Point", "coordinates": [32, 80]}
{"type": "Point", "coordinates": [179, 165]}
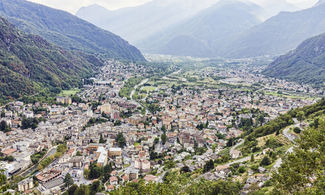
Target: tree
{"type": "Point", "coordinates": [185, 169]}
{"type": "Point", "coordinates": [297, 130]}
{"type": "Point", "coordinates": [4, 127]}
{"type": "Point", "coordinates": [120, 140]}
{"type": "Point", "coordinates": [78, 153]}
{"type": "Point", "coordinates": [265, 161]}
{"type": "Point", "coordinates": [82, 190]}
{"type": "Point", "coordinates": [3, 179]}
{"type": "Point", "coordinates": [163, 138]}
{"type": "Point", "coordinates": [72, 189]}
{"type": "Point", "coordinates": [252, 158]}
{"type": "Point", "coordinates": [208, 166]}
{"type": "Point", "coordinates": [29, 123]}
{"type": "Point", "coordinates": [101, 139]}
{"type": "Point", "coordinates": [94, 171]}
{"type": "Point", "coordinates": [68, 181]}
{"type": "Point", "coordinates": [300, 116]}
{"type": "Point", "coordinates": [156, 141]}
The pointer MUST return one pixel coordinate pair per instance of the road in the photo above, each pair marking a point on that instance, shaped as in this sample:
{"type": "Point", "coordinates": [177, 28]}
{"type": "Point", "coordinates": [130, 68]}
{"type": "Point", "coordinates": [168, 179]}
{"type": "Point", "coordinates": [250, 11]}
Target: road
{"type": "Point", "coordinates": [288, 135]}
{"type": "Point", "coordinates": [235, 146]}
{"type": "Point", "coordinates": [239, 161]}
{"type": "Point", "coordinates": [137, 86]}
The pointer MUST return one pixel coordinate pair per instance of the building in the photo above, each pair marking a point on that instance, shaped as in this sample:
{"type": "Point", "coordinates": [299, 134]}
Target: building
{"type": "Point", "coordinates": [64, 100]}
{"type": "Point", "coordinates": [113, 152]}
{"type": "Point", "coordinates": [142, 165]}
{"type": "Point", "coordinates": [106, 108]}
{"type": "Point", "coordinates": [102, 156]}
{"type": "Point", "coordinates": [25, 185]}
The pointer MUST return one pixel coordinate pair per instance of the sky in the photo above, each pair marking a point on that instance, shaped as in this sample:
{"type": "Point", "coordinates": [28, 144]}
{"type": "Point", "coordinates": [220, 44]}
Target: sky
{"type": "Point", "coordinates": [72, 6]}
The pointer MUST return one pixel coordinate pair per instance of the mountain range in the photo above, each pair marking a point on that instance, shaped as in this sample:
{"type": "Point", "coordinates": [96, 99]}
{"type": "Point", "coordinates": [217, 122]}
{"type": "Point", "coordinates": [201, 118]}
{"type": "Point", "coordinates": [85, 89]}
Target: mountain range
{"type": "Point", "coordinates": [206, 33]}
{"type": "Point", "coordinates": [278, 34]}
{"type": "Point", "coordinates": [67, 30]}
{"type": "Point", "coordinates": [219, 28]}
{"type": "Point", "coordinates": [138, 23]}
{"type": "Point", "coordinates": [29, 64]}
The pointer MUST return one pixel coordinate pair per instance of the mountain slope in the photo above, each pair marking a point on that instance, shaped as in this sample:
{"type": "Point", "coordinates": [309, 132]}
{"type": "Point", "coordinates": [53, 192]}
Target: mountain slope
{"type": "Point", "coordinates": [206, 33]}
{"type": "Point", "coordinates": [279, 34]}
{"type": "Point", "coordinates": [66, 30]}
{"type": "Point", "coordinates": [306, 64]}
{"type": "Point", "coordinates": [137, 23]}
{"type": "Point", "coordinates": [29, 64]}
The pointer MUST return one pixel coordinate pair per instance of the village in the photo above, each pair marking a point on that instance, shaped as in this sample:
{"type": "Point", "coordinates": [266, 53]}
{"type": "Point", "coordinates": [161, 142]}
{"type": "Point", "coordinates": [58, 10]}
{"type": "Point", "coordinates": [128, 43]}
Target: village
{"type": "Point", "coordinates": [183, 119]}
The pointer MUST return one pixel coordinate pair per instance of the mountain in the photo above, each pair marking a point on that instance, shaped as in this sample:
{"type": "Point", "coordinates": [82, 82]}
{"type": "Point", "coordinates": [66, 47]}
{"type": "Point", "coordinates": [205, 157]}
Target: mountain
{"type": "Point", "coordinates": [28, 64]}
{"type": "Point", "coordinates": [306, 64]}
{"type": "Point", "coordinates": [274, 7]}
{"type": "Point", "coordinates": [66, 30]}
{"type": "Point", "coordinates": [137, 23]}
{"type": "Point", "coordinates": [204, 34]}
{"type": "Point", "coordinates": [278, 34]}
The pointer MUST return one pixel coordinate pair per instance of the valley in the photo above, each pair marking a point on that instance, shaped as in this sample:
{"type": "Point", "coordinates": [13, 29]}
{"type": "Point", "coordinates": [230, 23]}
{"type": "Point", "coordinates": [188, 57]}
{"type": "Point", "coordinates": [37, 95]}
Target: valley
{"type": "Point", "coordinates": [169, 117]}
{"type": "Point", "coordinates": [214, 97]}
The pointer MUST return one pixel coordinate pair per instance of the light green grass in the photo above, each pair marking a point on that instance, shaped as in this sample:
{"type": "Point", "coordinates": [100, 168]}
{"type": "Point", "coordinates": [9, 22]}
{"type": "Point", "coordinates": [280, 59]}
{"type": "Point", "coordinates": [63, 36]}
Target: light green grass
{"type": "Point", "coordinates": [148, 88]}
{"type": "Point", "coordinates": [69, 92]}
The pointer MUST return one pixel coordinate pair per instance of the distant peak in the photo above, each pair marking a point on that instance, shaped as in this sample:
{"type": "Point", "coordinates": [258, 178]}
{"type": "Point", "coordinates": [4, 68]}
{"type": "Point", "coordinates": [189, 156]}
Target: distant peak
{"type": "Point", "coordinates": [94, 7]}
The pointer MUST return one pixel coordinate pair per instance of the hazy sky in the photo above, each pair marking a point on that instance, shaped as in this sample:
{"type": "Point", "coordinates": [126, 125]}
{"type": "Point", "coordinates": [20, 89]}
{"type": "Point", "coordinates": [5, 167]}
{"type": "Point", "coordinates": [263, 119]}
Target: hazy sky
{"type": "Point", "coordinates": [73, 5]}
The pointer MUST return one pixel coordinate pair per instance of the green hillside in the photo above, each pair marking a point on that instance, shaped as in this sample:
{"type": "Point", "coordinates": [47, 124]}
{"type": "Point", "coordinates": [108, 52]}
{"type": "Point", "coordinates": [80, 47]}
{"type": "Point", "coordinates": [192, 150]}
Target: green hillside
{"type": "Point", "coordinates": [67, 30]}
{"type": "Point", "coordinates": [306, 64]}
{"type": "Point", "coordinates": [28, 63]}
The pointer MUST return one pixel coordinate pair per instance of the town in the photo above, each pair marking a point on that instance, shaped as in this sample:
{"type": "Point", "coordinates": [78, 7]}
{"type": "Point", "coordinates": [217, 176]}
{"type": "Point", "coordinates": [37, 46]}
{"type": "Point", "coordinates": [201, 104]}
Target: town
{"type": "Point", "coordinates": [133, 122]}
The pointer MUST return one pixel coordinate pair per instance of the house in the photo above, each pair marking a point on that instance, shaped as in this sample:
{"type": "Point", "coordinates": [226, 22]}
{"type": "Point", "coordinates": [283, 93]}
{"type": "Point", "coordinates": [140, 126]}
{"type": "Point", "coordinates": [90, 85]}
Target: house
{"type": "Point", "coordinates": [76, 162]}
{"type": "Point", "coordinates": [150, 178]}
{"type": "Point", "coordinates": [235, 153]}
{"type": "Point", "coordinates": [113, 180]}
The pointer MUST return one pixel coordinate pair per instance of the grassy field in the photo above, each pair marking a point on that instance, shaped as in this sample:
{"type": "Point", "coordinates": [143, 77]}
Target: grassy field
{"type": "Point", "coordinates": [148, 88]}
{"type": "Point", "coordinates": [69, 92]}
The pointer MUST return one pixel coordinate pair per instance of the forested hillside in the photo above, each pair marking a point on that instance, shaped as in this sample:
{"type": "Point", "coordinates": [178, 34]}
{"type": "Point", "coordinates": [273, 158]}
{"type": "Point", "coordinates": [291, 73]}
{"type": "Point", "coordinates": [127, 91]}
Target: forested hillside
{"type": "Point", "coordinates": [28, 64]}
{"type": "Point", "coordinates": [67, 30]}
{"type": "Point", "coordinates": [306, 64]}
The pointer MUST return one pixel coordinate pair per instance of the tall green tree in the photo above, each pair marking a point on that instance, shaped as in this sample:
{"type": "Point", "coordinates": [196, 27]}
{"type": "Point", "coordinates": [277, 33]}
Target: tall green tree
{"type": "Point", "coordinates": [163, 138]}
{"type": "Point", "coordinates": [120, 140]}
{"type": "Point", "coordinates": [68, 181]}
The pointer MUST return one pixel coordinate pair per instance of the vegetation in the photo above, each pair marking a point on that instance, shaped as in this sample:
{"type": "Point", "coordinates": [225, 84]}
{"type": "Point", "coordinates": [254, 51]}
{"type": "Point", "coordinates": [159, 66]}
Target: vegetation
{"type": "Point", "coordinates": [37, 156]}
{"type": "Point", "coordinates": [96, 172]}
{"type": "Point", "coordinates": [175, 183]}
{"type": "Point", "coordinates": [129, 86]}
{"type": "Point", "coordinates": [120, 140]}
{"type": "Point", "coordinates": [303, 171]}
{"type": "Point", "coordinates": [29, 123]}
{"type": "Point", "coordinates": [60, 150]}
{"type": "Point", "coordinates": [68, 31]}
{"type": "Point", "coordinates": [51, 71]}
{"type": "Point", "coordinates": [276, 125]}
{"type": "Point", "coordinates": [95, 121]}
{"type": "Point", "coordinates": [301, 65]}
{"type": "Point", "coordinates": [68, 181]}
{"type": "Point", "coordinates": [4, 127]}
